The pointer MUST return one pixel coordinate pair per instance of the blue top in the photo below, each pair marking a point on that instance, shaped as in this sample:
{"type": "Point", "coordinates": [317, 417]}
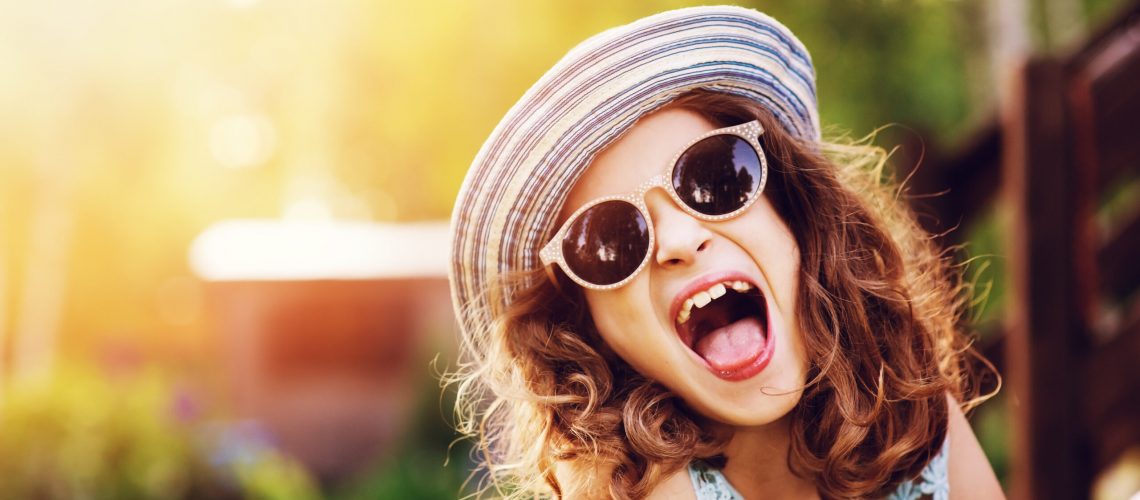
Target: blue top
{"type": "Point", "coordinates": [710, 483]}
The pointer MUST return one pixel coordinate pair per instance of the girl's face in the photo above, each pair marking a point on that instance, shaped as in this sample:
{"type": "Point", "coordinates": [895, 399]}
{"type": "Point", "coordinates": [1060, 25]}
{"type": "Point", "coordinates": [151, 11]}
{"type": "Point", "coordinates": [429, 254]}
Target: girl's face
{"type": "Point", "coordinates": [739, 359]}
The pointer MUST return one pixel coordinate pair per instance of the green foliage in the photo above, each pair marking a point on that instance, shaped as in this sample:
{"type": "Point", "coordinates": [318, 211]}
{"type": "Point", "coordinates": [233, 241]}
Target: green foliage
{"type": "Point", "coordinates": [987, 270]}
{"type": "Point", "coordinates": [86, 435]}
{"type": "Point", "coordinates": [274, 477]}
{"type": "Point", "coordinates": [427, 464]}
{"type": "Point", "coordinates": [81, 435]}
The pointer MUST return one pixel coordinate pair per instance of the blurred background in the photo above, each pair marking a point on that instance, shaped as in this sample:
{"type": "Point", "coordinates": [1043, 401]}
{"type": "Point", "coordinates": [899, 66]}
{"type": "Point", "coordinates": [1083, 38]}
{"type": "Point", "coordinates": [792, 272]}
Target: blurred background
{"type": "Point", "coordinates": [223, 226]}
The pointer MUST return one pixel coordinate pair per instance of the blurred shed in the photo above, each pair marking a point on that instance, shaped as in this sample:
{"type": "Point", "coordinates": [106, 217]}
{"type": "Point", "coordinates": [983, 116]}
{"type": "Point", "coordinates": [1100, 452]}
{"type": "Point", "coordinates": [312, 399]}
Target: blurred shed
{"type": "Point", "coordinates": [326, 329]}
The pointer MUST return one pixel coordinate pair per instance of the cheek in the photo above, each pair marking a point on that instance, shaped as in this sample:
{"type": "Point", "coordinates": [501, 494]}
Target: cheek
{"type": "Point", "coordinates": [609, 314]}
{"type": "Point", "coordinates": [622, 316]}
{"type": "Point", "coordinates": [771, 244]}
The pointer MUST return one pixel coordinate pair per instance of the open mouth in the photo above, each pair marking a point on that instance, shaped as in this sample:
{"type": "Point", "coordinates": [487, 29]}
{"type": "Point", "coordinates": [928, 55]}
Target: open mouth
{"type": "Point", "coordinates": [726, 325]}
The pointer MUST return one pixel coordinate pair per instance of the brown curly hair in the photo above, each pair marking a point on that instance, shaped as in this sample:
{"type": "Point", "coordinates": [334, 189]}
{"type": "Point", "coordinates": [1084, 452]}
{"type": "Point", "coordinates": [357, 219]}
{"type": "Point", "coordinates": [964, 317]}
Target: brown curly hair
{"type": "Point", "coordinates": [880, 308]}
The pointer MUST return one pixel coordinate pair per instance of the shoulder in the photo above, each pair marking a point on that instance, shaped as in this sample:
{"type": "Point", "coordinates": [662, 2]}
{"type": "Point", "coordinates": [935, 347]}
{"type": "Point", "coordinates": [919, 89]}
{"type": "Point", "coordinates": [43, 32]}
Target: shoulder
{"type": "Point", "coordinates": [677, 486]}
{"type": "Point", "coordinates": [580, 480]}
{"type": "Point", "coordinates": [959, 469]}
{"type": "Point", "coordinates": [968, 468]}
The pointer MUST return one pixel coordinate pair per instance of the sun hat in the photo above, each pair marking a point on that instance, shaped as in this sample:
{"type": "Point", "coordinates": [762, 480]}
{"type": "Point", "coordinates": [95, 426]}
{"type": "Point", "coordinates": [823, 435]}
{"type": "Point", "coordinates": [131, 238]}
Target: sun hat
{"type": "Point", "coordinates": [518, 182]}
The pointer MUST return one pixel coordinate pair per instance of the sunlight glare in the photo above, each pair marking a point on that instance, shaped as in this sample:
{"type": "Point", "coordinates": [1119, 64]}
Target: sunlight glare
{"type": "Point", "coordinates": [241, 141]}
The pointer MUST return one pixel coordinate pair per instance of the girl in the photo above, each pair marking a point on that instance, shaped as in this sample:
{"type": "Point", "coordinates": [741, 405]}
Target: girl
{"type": "Point", "coordinates": [669, 287]}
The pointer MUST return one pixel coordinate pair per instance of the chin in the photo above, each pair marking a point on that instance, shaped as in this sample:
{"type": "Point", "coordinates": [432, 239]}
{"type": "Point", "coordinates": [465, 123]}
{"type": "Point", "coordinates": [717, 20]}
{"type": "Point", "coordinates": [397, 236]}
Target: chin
{"type": "Point", "coordinates": [755, 413]}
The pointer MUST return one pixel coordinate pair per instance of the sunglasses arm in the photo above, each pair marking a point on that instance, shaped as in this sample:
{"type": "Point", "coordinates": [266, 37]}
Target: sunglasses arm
{"type": "Point", "coordinates": [548, 264]}
{"type": "Point", "coordinates": [549, 268]}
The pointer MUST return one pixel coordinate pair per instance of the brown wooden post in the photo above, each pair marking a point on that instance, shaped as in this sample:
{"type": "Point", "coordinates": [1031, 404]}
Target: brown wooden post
{"type": "Point", "coordinates": [1105, 101]}
{"type": "Point", "coordinates": [1047, 334]}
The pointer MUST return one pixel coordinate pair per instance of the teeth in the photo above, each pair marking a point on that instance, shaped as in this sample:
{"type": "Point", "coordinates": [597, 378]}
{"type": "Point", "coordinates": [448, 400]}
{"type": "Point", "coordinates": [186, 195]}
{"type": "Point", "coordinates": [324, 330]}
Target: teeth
{"type": "Point", "coordinates": [704, 297]}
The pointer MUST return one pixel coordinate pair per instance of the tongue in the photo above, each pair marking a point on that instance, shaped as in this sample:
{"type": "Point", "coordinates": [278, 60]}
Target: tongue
{"type": "Point", "coordinates": [734, 345]}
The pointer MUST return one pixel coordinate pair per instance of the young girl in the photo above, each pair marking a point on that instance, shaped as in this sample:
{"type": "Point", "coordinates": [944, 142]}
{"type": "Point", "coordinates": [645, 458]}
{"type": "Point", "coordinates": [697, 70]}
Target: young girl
{"type": "Point", "coordinates": [669, 287]}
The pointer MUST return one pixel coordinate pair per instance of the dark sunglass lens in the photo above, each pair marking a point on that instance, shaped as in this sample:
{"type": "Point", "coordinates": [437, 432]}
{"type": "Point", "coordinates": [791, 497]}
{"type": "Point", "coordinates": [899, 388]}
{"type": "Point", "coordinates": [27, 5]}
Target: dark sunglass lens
{"type": "Point", "coordinates": [717, 175]}
{"type": "Point", "coordinates": [607, 242]}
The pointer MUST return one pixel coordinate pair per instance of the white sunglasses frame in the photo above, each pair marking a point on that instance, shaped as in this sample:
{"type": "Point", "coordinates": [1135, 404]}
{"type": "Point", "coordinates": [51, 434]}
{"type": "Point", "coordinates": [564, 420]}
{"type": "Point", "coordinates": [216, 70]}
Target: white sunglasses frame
{"type": "Point", "coordinates": [551, 253]}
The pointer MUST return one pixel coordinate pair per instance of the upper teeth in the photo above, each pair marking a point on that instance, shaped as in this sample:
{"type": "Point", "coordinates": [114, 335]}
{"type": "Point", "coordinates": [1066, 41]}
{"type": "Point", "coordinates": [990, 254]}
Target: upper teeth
{"type": "Point", "coordinates": [704, 297]}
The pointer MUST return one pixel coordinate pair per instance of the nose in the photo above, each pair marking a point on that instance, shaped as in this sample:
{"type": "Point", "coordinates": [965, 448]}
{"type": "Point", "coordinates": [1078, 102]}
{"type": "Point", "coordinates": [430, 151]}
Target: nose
{"type": "Point", "coordinates": [680, 236]}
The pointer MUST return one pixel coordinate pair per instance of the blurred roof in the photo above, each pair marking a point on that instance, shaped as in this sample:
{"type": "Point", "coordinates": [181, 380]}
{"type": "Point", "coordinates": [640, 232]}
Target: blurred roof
{"type": "Point", "coordinates": [275, 249]}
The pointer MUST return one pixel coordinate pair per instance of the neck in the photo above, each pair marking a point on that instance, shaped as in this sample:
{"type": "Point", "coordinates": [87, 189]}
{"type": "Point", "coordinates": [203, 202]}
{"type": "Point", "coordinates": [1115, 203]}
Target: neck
{"type": "Point", "coordinates": [758, 463]}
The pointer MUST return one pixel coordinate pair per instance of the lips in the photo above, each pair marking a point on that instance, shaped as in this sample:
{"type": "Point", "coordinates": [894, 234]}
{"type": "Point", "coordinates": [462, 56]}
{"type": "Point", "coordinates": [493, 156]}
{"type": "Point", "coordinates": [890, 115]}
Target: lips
{"type": "Point", "coordinates": [724, 321]}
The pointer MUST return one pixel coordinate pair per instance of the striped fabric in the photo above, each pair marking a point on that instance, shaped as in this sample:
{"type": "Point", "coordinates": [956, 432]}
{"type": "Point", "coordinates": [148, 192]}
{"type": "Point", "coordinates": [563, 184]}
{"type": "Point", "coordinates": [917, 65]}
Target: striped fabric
{"type": "Point", "coordinates": [518, 182]}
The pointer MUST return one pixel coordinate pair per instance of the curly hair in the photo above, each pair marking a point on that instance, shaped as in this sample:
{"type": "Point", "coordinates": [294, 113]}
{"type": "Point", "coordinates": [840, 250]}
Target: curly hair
{"type": "Point", "coordinates": [879, 307]}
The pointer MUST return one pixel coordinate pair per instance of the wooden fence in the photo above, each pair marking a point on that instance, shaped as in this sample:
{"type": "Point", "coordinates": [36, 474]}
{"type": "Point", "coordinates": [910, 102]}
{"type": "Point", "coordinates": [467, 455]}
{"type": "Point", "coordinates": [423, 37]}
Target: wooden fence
{"type": "Point", "coordinates": [1070, 346]}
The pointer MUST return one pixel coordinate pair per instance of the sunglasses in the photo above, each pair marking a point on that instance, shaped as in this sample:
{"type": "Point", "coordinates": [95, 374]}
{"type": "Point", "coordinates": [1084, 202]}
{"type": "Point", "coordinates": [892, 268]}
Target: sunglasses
{"type": "Point", "coordinates": [608, 241]}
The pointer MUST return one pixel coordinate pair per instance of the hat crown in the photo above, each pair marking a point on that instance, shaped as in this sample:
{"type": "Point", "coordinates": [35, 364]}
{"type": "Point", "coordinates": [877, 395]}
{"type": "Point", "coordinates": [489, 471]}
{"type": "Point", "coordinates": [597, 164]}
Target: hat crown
{"type": "Point", "coordinates": [519, 180]}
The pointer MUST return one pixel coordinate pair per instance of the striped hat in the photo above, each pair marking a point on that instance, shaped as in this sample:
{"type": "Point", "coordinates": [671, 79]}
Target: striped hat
{"type": "Point", "coordinates": [516, 186]}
